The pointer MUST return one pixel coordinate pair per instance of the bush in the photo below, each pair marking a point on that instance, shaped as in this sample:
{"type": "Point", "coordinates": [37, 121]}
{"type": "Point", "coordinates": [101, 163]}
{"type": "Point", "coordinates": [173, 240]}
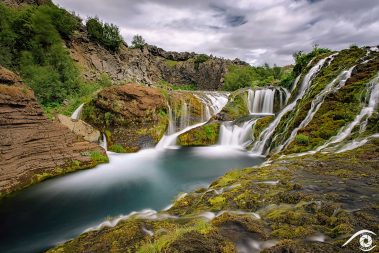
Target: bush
{"type": "Point", "coordinates": [302, 139]}
{"type": "Point", "coordinates": [248, 76]}
{"type": "Point", "coordinates": [138, 41]}
{"type": "Point", "coordinates": [238, 77]}
{"type": "Point", "coordinates": [302, 59]}
{"type": "Point", "coordinates": [106, 34]}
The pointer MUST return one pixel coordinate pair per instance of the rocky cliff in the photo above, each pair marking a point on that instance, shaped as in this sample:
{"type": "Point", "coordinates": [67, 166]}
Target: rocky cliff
{"type": "Point", "coordinates": [148, 65]}
{"type": "Point", "coordinates": [32, 147]}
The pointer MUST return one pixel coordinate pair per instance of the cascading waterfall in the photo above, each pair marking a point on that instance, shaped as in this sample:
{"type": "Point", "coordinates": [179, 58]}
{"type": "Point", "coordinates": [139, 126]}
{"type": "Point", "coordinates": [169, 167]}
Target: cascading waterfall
{"type": "Point", "coordinates": [76, 114]}
{"type": "Point", "coordinates": [212, 104]}
{"type": "Point", "coordinates": [269, 131]}
{"type": "Point", "coordinates": [236, 135]}
{"type": "Point", "coordinates": [185, 116]}
{"type": "Point", "coordinates": [171, 123]}
{"type": "Point", "coordinates": [332, 87]}
{"type": "Point", "coordinates": [373, 100]}
{"type": "Point", "coordinates": [103, 143]}
{"type": "Point", "coordinates": [261, 101]}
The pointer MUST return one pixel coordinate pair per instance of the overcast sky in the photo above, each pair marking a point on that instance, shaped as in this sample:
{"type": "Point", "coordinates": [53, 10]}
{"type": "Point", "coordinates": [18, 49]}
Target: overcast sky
{"type": "Point", "coordinates": [256, 31]}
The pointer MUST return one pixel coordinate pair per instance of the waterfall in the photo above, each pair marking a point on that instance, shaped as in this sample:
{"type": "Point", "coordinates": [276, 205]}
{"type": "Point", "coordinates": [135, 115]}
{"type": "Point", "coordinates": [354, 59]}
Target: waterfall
{"type": "Point", "coordinates": [171, 122]}
{"type": "Point", "coordinates": [103, 143]}
{"type": "Point", "coordinates": [185, 116]}
{"type": "Point", "coordinates": [305, 84]}
{"type": "Point", "coordinates": [212, 103]}
{"type": "Point", "coordinates": [333, 86]}
{"type": "Point", "coordinates": [76, 114]}
{"type": "Point", "coordinates": [356, 143]}
{"type": "Point", "coordinates": [294, 86]}
{"type": "Point", "coordinates": [261, 101]}
{"type": "Point", "coordinates": [236, 135]}
{"type": "Point", "coordinates": [366, 111]}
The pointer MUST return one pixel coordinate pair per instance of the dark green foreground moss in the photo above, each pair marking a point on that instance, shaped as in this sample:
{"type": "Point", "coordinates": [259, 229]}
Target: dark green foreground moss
{"type": "Point", "coordinates": [289, 201]}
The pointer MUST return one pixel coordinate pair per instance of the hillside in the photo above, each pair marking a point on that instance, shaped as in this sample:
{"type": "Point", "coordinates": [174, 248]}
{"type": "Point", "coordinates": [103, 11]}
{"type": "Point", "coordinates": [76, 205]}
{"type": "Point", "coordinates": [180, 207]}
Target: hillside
{"type": "Point", "coordinates": [300, 201]}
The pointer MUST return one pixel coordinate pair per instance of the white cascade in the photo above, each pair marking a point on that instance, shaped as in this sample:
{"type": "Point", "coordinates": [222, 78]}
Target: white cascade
{"type": "Point", "coordinates": [76, 114]}
{"type": "Point", "coordinates": [103, 143]}
{"type": "Point", "coordinates": [332, 87]}
{"type": "Point", "coordinates": [185, 116]}
{"type": "Point", "coordinates": [305, 84]}
{"type": "Point", "coordinates": [213, 103]}
{"type": "Point", "coordinates": [366, 111]}
{"type": "Point", "coordinates": [171, 121]}
{"type": "Point", "coordinates": [261, 101]}
{"type": "Point", "coordinates": [236, 135]}
{"type": "Point", "coordinates": [356, 143]}
{"type": "Point", "coordinates": [294, 86]}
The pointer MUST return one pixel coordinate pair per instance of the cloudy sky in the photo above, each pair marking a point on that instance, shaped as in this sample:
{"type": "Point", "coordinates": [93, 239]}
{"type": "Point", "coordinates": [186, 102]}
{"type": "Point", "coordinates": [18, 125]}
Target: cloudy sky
{"type": "Point", "coordinates": [256, 31]}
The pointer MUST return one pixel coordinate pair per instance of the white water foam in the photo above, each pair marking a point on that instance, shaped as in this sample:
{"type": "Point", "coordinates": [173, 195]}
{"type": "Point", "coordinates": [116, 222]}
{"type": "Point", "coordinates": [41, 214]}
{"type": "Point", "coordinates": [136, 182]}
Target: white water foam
{"type": "Point", "coordinates": [77, 113]}
{"type": "Point", "coordinates": [332, 87]}
{"type": "Point", "coordinates": [259, 147]}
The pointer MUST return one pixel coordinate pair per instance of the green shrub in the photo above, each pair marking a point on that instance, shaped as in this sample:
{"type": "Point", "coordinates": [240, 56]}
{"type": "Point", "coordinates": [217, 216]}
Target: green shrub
{"type": "Point", "coordinates": [138, 41]}
{"type": "Point", "coordinates": [302, 59]}
{"type": "Point", "coordinates": [302, 139]}
{"type": "Point", "coordinates": [99, 157]}
{"type": "Point", "coordinates": [106, 34]}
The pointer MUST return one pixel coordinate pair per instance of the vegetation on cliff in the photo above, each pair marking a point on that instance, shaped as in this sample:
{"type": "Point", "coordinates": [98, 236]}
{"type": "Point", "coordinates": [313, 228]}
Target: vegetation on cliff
{"type": "Point", "coordinates": [106, 34]}
{"type": "Point", "coordinates": [250, 77]}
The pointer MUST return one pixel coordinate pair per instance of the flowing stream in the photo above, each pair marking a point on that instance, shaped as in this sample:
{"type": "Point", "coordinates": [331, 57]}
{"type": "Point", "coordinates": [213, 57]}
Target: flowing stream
{"type": "Point", "coordinates": [260, 103]}
{"type": "Point", "coordinates": [76, 114]}
{"type": "Point", "coordinates": [44, 215]}
{"type": "Point", "coordinates": [265, 136]}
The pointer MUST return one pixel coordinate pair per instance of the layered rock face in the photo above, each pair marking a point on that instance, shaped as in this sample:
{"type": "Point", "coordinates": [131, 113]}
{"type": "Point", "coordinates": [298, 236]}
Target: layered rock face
{"type": "Point", "coordinates": [33, 148]}
{"type": "Point", "coordinates": [132, 116]}
{"type": "Point", "coordinates": [148, 65]}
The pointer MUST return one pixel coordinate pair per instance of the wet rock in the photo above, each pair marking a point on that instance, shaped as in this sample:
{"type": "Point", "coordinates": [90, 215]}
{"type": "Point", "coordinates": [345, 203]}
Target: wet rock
{"type": "Point", "coordinates": [80, 128]}
{"type": "Point", "coordinates": [132, 116]}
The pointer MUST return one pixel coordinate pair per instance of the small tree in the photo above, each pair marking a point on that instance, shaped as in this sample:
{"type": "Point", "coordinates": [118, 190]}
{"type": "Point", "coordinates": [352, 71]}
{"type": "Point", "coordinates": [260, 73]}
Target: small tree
{"type": "Point", "coordinates": [106, 34]}
{"type": "Point", "coordinates": [138, 41]}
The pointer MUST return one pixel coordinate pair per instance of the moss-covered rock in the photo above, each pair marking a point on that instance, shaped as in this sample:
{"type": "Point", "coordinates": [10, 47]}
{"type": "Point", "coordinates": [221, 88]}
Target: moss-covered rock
{"type": "Point", "coordinates": [236, 106]}
{"type": "Point", "coordinates": [337, 110]}
{"type": "Point", "coordinates": [205, 135]}
{"type": "Point", "coordinates": [132, 116]}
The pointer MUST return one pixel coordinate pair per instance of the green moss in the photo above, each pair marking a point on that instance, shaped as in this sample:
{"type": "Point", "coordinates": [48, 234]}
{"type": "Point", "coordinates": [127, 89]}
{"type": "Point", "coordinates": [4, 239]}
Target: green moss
{"type": "Point", "coordinates": [260, 125]}
{"type": "Point", "coordinates": [302, 139]}
{"type": "Point", "coordinates": [117, 148]}
{"type": "Point", "coordinates": [217, 202]}
{"type": "Point", "coordinates": [171, 63]}
{"type": "Point", "coordinates": [99, 157]}
{"type": "Point", "coordinates": [201, 136]}
{"type": "Point", "coordinates": [236, 107]}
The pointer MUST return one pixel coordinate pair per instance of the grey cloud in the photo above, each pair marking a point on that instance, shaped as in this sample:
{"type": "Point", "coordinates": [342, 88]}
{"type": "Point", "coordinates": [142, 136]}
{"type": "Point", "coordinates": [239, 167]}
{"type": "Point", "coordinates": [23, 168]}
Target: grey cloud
{"type": "Point", "coordinates": [256, 31]}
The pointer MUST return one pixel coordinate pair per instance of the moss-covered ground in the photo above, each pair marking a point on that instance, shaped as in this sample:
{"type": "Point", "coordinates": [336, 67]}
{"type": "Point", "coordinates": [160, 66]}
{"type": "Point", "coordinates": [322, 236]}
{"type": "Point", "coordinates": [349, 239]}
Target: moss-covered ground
{"type": "Point", "coordinates": [290, 203]}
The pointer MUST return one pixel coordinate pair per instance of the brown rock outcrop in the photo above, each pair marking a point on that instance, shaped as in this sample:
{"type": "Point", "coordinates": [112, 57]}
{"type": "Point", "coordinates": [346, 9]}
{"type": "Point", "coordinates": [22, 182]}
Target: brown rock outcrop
{"type": "Point", "coordinates": [148, 65]}
{"type": "Point", "coordinates": [132, 116]}
{"type": "Point", "coordinates": [33, 148]}
{"type": "Point", "coordinates": [81, 128]}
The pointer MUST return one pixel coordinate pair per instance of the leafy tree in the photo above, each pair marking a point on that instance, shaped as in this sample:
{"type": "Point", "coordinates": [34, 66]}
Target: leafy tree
{"type": "Point", "coordinates": [106, 34]}
{"type": "Point", "coordinates": [138, 41]}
